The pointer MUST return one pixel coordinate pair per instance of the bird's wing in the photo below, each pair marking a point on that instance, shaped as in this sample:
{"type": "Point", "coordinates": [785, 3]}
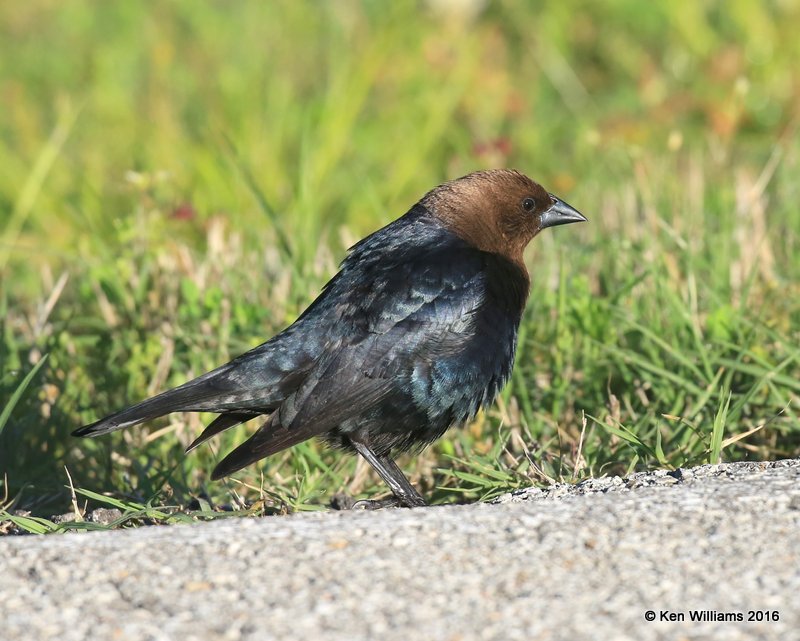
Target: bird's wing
{"type": "Point", "coordinates": [404, 317]}
{"type": "Point", "coordinates": [261, 379]}
{"type": "Point", "coordinates": [286, 428]}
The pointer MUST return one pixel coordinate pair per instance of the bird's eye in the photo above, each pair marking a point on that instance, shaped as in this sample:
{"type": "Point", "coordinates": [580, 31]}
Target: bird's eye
{"type": "Point", "coordinates": [528, 204]}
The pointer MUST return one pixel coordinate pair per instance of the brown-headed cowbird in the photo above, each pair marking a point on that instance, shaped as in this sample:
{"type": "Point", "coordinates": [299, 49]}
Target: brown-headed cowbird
{"type": "Point", "coordinates": [414, 334]}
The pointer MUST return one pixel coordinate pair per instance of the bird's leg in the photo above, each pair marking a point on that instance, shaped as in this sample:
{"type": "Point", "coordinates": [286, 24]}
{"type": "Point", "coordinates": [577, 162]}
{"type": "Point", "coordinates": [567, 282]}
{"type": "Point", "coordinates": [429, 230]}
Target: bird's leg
{"type": "Point", "coordinates": [404, 492]}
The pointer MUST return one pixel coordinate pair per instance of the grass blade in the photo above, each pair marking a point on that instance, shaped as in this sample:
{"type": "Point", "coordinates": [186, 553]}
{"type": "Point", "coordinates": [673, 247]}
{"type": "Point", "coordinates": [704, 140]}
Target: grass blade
{"type": "Point", "coordinates": [719, 428]}
{"type": "Point", "coordinates": [18, 392]}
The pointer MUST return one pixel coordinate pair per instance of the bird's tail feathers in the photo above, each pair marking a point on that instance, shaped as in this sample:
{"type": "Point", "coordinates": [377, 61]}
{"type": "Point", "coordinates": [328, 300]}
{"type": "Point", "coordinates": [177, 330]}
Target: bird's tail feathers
{"type": "Point", "coordinates": [201, 394]}
{"type": "Point", "coordinates": [220, 424]}
{"type": "Point", "coordinates": [270, 438]}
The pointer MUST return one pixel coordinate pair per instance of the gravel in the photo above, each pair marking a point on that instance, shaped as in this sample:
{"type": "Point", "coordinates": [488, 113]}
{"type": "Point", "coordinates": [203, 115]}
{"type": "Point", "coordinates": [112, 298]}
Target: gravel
{"type": "Point", "coordinates": [719, 542]}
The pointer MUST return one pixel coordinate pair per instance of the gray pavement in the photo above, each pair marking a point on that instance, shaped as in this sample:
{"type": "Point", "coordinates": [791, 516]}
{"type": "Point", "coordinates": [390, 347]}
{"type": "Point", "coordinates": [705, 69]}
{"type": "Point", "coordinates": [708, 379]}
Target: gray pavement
{"type": "Point", "coordinates": [585, 562]}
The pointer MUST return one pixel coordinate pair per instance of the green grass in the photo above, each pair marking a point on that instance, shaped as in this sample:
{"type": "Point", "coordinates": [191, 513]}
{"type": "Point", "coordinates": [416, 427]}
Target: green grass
{"type": "Point", "coordinates": [179, 180]}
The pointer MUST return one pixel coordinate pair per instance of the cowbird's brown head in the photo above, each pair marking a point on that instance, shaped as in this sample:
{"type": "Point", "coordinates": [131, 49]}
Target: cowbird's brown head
{"type": "Point", "coordinates": [498, 211]}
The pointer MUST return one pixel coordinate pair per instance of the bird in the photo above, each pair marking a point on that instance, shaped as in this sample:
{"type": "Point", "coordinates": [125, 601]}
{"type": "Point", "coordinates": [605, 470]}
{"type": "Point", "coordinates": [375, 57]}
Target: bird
{"type": "Point", "coordinates": [414, 334]}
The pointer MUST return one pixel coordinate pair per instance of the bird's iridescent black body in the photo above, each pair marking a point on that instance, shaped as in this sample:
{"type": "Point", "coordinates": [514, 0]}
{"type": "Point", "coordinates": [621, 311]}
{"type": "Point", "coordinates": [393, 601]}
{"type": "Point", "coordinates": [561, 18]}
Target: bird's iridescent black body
{"type": "Point", "coordinates": [425, 337]}
{"type": "Point", "coordinates": [414, 334]}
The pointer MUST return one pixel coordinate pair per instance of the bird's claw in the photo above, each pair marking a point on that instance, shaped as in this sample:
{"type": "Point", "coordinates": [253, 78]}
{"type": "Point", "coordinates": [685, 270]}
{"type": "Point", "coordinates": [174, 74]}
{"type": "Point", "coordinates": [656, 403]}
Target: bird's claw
{"type": "Point", "coordinates": [345, 502]}
{"type": "Point", "coordinates": [376, 504]}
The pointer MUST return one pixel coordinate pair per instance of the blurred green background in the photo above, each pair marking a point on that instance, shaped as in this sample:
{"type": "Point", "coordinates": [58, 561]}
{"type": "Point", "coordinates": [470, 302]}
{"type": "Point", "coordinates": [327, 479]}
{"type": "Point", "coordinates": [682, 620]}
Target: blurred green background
{"type": "Point", "coordinates": [178, 180]}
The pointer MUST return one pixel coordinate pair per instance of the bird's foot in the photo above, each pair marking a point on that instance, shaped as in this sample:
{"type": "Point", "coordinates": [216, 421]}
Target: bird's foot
{"type": "Point", "coordinates": [345, 502]}
{"type": "Point", "coordinates": [377, 504]}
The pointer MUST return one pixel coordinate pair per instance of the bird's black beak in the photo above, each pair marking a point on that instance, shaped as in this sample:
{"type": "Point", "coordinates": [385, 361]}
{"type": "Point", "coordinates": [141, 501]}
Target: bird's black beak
{"type": "Point", "coordinates": [560, 213]}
